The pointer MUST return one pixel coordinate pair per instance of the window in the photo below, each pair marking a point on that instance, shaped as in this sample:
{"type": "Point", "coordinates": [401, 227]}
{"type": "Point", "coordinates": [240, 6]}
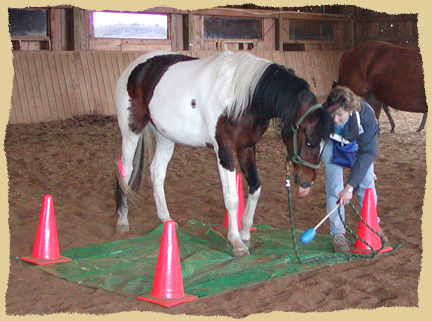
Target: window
{"type": "Point", "coordinates": [130, 25]}
{"type": "Point", "coordinates": [25, 23]}
{"type": "Point", "coordinates": [232, 28]}
{"type": "Point", "coordinates": [310, 30]}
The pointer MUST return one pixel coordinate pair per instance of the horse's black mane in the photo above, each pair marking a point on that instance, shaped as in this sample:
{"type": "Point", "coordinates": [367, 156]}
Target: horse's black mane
{"type": "Point", "coordinates": [278, 95]}
{"type": "Point", "coordinates": [277, 92]}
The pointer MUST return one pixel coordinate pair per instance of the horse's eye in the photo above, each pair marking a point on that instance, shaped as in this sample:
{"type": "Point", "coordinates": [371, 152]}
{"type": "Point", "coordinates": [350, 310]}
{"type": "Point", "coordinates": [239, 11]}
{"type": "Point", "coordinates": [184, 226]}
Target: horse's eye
{"type": "Point", "coordinates": [309, 145]}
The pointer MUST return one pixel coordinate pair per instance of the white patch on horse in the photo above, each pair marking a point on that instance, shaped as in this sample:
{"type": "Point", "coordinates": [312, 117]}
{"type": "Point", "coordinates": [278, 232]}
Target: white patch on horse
{"type": "Point", "coordinates": [248, 216]}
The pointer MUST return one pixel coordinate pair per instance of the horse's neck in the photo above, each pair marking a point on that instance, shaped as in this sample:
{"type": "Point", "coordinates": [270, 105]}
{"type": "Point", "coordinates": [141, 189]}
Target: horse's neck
{"type": "Point", "coordinates": [279, 114]}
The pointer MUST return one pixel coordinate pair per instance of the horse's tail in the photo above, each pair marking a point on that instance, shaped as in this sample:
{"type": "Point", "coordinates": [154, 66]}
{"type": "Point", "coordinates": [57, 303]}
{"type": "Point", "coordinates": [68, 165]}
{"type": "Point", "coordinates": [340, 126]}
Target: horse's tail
{"type": "Point", "coordinates": [143, 154]}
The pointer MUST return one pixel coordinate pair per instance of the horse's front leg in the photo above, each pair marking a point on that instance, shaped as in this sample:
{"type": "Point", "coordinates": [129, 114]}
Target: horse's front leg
{"type": "Point", "coordinates": [229, 187]}
{"type": "Point", "coordinates": [248, 165]}
{"type": "Point", "coordinates": [162, 156]}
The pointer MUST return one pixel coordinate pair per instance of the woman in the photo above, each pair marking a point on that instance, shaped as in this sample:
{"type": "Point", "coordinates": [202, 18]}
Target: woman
{"type": "Point", "coordinates": [356, 129]}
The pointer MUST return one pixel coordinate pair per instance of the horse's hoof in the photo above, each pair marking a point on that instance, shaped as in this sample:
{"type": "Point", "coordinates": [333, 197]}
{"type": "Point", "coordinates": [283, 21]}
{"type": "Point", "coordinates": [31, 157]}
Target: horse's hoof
{"type": "Point", "coordinates": [240, 252]}
{"type": "Point", "coordinates": [122, 228]}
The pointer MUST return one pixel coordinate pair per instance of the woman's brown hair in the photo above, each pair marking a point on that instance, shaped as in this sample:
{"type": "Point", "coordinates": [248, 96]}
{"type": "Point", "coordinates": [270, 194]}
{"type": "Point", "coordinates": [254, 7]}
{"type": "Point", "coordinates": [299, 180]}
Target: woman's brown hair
{"type": "Point", "coordinates": [345, 97]}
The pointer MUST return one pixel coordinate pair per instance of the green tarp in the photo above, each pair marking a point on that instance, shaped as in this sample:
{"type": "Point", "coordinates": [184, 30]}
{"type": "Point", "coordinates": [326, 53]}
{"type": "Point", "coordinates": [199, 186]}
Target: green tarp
{"type": "Point", "coordinates": [127, 266]}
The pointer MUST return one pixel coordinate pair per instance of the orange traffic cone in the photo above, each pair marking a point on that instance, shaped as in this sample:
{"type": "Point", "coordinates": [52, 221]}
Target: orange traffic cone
{"type": "Point", "coordinates": [46, 246]}
{"type": "Point", "coordinates": [240, 207]}
{"type": "Point", "coordinates": [167, 287]}
{"type": "Point", "coordinates": [370, 216]}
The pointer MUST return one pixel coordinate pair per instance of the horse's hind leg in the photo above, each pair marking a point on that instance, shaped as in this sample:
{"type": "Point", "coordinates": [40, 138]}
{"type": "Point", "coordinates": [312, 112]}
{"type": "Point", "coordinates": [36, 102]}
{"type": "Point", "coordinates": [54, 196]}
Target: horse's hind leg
{"type": "Point", "coordinates": [387, 111]}
{"type": "Point", "coordinates": [377, 106]}
{"type": "Point", "coordinates": [423, 123]}
{"type": "Point", "coordinates": [128, 175]}
{"type": "Point", "coordinates": [162, 156]}
{"type": "Point", "coordinates": [130, 164]}
{"type": "Point", "coordinates": [247, 162]}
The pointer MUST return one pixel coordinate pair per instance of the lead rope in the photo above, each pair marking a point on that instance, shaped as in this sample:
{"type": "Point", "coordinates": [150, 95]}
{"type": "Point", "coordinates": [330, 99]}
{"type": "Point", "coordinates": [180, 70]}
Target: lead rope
{"type": "Point", "coordinates": [349, 255]}
{"type": "Point", "coordinates": [288, 187]}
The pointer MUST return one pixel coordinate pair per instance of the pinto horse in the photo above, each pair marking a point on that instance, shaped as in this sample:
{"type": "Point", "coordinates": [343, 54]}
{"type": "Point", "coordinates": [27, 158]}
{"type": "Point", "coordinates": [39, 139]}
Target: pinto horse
{"type": "Point", "coordinates": [224, 102]}
{"type": "Point", "coordinates": [385, 75]}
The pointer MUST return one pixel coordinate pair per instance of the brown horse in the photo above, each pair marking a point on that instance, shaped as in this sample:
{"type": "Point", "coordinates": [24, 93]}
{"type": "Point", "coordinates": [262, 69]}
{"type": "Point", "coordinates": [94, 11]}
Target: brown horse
{"type": "Point", "coordinates": [385, 75]}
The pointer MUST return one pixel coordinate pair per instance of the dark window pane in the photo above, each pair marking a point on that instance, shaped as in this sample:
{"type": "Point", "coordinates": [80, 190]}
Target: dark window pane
{"type": "Point", "coordinates": [232, 28]}
{"type": "Point", "coordinates": [28, 23]}
{"type": "Point", "coordinates": [310, 30]}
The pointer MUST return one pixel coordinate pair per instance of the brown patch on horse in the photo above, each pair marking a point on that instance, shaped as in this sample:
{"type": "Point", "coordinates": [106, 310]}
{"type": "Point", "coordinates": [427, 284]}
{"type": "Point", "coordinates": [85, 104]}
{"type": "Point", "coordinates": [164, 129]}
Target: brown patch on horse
{"type": "Point", "coordinates": [234, 136]}
{"type": "Point", "coordinates": [247, 161]}
{"type": "Point", "coordinates": [141, 84]}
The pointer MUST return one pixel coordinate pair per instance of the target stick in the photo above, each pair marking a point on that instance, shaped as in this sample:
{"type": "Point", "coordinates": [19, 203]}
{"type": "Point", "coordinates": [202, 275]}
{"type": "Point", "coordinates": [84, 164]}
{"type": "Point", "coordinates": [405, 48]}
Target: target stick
{"type": "Point", "coordinates": [310, 233]}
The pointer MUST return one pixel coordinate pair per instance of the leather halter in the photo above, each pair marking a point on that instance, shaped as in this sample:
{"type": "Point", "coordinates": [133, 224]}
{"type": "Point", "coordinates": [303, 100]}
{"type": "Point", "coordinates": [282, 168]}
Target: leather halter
{"type": "Point", "coordinates": [296, 157]}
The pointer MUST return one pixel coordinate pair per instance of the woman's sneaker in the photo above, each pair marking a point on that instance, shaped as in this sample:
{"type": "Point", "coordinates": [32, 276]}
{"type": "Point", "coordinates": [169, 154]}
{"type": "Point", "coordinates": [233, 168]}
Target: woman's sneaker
{"type": "Point", "coordinates": [341, 244]}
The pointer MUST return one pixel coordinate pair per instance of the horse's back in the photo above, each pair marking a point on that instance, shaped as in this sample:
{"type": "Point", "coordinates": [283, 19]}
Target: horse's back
{"type": "Point", "coordinates": [121, 85]}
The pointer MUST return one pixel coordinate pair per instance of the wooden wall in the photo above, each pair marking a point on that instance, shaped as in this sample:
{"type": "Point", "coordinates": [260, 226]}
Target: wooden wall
{"type": "Point", "coordinates": [59, 85]}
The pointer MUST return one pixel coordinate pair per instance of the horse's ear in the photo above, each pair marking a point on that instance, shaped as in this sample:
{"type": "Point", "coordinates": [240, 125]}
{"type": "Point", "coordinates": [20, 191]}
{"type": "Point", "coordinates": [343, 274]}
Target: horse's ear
{"type": "Point", "coordinates": [306, 97]}
{"type": "Point", "coordinates": [335, 83]}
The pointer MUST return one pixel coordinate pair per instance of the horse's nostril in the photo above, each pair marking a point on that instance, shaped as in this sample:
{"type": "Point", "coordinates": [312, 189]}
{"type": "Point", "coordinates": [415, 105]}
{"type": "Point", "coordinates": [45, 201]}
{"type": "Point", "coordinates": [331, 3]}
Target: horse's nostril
{"type": "Point", "coordinates": [305, 184]}
{"type": "Point", "coordinates": [301, 184]}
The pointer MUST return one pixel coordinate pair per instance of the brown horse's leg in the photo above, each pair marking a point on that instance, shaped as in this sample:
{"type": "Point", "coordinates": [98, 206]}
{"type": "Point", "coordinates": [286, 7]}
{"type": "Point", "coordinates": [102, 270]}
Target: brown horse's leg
{"type": "Point", "coordinates": [247, 163]}
{"type": "Point", "coordinates": [423, 122]}
{"type": "Point", "coordinates": [387, 111]}
{"type": "Point", "coordinates": [375, 104]}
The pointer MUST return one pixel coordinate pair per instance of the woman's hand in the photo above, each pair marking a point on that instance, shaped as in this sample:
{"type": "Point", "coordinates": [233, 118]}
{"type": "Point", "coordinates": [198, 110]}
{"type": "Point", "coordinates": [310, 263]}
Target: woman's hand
{"type": "Point", "coordinates": [346, 195]}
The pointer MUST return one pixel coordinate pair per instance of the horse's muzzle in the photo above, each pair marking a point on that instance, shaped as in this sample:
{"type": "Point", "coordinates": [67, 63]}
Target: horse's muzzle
{"type": "Point", "coordinates": [302, 184]}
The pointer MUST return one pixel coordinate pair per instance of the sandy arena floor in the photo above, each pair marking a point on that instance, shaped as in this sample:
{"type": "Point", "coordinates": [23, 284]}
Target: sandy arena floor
{"type": "Point", "coordinates": [74, 161]}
